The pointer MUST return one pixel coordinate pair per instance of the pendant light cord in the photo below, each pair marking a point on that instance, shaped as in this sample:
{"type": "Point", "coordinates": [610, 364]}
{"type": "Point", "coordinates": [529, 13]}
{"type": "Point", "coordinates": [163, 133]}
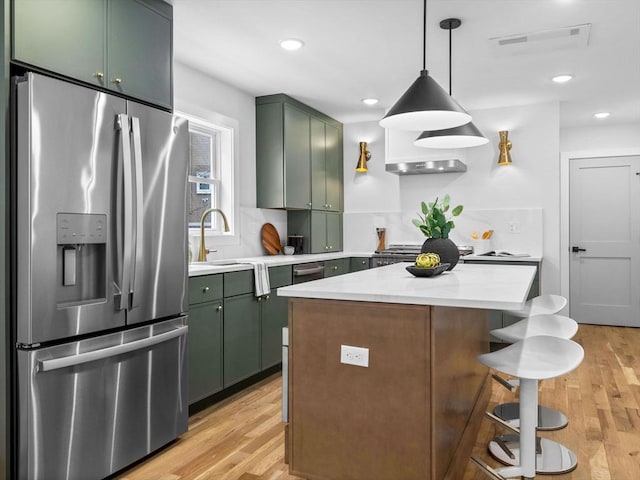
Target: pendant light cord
{"type": "Point", "coordinates": [424, 37]}
{"type": "Point", "coordinates": [450, 29]}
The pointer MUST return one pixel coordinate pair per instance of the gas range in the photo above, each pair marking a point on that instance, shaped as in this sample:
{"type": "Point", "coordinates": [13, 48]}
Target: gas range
{"type": "Point", "coordinates": [395, 254]}
{"type": "Point", "coordinates": [404, 253]}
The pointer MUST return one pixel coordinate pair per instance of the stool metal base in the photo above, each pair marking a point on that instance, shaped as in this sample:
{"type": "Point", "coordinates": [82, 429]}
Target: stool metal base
{"type": "Point", "coordinates": [552, 457]}
{"type": "Point", "coordinates": [548, 418]}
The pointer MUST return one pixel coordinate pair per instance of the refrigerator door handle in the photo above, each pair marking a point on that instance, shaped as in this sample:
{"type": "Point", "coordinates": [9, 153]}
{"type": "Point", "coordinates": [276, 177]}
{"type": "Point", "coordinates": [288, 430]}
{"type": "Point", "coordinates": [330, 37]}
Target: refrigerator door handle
{"type": "Point", "coordinates": [123, 215]}
{"type": "Point", "coordinates": [72, 360]}
{"type": "Point", "coordinates": [138, 237]}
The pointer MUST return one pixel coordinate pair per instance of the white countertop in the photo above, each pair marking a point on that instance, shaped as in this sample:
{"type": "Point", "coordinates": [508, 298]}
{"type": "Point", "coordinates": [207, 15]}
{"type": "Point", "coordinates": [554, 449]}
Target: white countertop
{"type": "Point", "coordinates": [495, 258]}
{"type": "Point", "coordinates": [236, 264]}
{"type": "Point", "coordinates": [467, 285]}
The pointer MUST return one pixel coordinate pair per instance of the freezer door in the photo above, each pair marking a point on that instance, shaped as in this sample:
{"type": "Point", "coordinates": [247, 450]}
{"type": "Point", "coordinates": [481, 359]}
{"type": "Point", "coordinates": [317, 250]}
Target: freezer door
{"type": "Point", "coordinates": [67, 154]}
{"type": "Point", "coordinates": [90, 408]}
{"type": "Point", "coordinates": [158, 272]}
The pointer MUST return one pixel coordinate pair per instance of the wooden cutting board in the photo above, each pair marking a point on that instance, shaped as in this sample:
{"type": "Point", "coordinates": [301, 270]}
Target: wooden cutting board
{"type": "Point", "coordinates": [271, 239]}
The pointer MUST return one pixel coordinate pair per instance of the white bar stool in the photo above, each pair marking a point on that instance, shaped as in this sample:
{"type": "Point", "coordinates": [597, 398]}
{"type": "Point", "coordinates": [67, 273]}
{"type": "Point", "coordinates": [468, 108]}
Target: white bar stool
{"type": "Point", "coordinates": [531, 360]}
{"type": "Point", "coordinates": [553, 325]}
{"type": "Point", "coordinates": [540, 305]}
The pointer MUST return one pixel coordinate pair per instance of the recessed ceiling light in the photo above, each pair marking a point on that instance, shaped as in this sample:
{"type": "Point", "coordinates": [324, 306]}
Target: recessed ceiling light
{"type": "Point", "coordinates": [291, 44]}
{"type": "Point", "coordinates": [565, 77]}
{"type": "Point", "coordinates": [601, 114]}
{"type": "Point", "coordinates": [369, 101]}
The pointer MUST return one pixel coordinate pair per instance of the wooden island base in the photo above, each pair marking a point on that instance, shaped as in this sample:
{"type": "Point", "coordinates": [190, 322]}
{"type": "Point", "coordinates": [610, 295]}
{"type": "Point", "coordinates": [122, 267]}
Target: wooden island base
{"type": "Point", "coordinates": [413, 414]}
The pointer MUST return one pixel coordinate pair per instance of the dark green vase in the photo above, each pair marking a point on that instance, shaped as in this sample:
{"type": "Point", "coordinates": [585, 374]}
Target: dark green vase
{"type": "Point", "coordinates": [444, 247]}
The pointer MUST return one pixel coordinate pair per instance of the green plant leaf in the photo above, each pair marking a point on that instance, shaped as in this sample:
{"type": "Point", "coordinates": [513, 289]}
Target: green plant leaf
{"type": "Point", "coordinates": [417, 222]}
{"type": "Point", "coordinates": [457, 211]}
{"type": "Point", "coordinates": [424, 207]}
{"type": "Point", "coordinates": [425, 230]}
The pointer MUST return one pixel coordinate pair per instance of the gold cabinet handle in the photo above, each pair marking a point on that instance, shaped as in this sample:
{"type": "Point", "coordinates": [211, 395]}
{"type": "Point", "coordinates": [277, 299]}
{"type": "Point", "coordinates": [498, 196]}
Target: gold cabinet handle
{"type": "Point", "coordinates": [259, 299]}
{"type": "Point", "coordinates": [99, 75]}
{"type": "Point", "coordinates": [205, 289]}
{"type": "Point", "coordinates": [219, 307]}
{"type": "Point", "coordinates": [267, 297]}
{"type": "Point", "coordinates": [116, 80]}
{"type": "Point", "coordinates": [335, 267]}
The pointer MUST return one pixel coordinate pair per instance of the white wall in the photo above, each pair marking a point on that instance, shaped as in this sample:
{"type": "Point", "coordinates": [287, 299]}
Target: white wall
{"type": "Point", "coordinates": [202, 96]}
{"type": "Point", "coordinates": [531, 183]}
{"type": "Point", "coordinates": [600, 137]}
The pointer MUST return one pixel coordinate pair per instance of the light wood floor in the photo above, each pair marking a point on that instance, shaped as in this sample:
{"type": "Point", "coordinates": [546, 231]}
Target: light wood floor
{"type": "Point", "coordinates": [242, 437]}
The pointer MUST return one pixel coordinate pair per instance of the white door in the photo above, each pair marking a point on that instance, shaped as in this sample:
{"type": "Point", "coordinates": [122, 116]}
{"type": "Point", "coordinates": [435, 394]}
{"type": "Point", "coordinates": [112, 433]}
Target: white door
{"type": "Point", "coordinates": [604, 240]}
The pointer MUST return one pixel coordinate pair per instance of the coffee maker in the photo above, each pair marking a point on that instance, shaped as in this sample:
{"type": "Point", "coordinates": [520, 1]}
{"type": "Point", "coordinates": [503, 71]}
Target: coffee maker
{"type": "Point", "coordinates": [296, 242]}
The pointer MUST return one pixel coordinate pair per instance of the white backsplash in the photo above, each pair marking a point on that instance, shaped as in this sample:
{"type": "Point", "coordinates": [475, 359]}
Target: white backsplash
{"type": "Point", "coordinates": [360, 229]}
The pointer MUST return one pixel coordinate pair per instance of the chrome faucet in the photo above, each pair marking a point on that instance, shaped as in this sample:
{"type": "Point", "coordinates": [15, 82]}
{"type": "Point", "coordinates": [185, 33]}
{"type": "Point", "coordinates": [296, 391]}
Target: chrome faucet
{"type": "Point", "coordinates": [202, 254]}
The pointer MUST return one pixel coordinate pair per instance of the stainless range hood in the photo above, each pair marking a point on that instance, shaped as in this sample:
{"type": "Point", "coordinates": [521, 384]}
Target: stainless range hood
{"type": "Point", "coordinates": [425, 167]}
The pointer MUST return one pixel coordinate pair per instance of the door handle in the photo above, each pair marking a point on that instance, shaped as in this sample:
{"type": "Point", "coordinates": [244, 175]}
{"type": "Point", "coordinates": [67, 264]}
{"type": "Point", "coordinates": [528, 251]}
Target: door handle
{"type": "Point", "coordinates": [107, 352]}
{"type": "Point", "coordinates": [578, 249]}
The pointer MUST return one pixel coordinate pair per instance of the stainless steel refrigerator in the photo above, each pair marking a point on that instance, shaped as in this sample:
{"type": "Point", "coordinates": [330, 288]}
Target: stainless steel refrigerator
{"type": "Point", "coordinates": [99, 248]}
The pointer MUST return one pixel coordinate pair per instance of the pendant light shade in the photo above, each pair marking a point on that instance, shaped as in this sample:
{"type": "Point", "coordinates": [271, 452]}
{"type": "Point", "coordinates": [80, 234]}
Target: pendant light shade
{"type": "Point", "coordinates": [425, 105]}
{"type": "Point", "coordinates": [462, 136]}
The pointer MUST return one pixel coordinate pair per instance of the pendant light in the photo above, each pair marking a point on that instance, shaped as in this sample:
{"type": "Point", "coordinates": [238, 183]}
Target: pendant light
{"type": "Point", "coordinates": [425, 105]}
{"type": "Point", "coordinates": [463, 136]}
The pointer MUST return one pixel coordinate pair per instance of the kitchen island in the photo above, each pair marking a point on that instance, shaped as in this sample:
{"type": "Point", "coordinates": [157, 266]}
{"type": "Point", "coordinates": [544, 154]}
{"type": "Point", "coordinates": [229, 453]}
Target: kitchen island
{"type": "Point", "coordinates": [413, 413]}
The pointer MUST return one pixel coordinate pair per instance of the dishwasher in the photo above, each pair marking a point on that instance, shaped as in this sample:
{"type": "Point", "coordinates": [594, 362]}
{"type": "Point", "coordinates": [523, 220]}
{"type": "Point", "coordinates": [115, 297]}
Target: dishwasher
{"type": "Point", "coordinates": [304, 272]}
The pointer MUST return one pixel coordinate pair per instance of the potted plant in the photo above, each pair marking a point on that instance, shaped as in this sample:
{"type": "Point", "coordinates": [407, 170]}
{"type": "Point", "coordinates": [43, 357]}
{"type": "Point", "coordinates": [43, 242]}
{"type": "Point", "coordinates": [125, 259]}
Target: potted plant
{"type": "Point", "coordinates": [435, 223]}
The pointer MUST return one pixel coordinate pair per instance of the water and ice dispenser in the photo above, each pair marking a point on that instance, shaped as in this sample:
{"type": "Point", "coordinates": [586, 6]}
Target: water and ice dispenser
{"type": "Point", "coordinates": [82, 258]}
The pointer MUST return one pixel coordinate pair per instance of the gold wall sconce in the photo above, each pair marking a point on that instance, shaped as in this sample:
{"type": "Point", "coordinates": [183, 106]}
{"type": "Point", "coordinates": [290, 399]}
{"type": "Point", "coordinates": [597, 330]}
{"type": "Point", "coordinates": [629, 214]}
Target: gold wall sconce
{"type": "Point", "coordinates": [504, 146]}
{"type": "Point", "coordinates": [365, 156]}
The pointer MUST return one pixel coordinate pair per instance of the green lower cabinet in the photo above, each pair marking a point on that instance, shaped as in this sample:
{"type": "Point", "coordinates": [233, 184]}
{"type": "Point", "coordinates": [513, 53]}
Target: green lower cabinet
{"type": "Point", "coordinates": [273, 315]}
{"type": "Point", "coordinates": [241, 344]}
{"type": "Point", "coordinates": [359, 263]}
{"type": "Point", "coordinates": [339, 266]}
{"type": "Point", "coordinates": [205, 350]}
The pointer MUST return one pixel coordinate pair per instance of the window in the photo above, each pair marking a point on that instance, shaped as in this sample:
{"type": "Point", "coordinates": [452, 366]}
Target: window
{"type": "Point", "coordinates": [211, 173]}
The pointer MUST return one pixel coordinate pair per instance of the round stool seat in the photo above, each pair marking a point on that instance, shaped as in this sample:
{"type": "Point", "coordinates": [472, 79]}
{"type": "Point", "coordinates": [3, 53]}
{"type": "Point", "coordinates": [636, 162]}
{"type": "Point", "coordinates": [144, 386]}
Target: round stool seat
{"type": "Point", "coordinates": [553, 325]}
{"type": "Point", "coordinates": [543, 304]}
{"type": "Point", "coordinates": [536, 358]}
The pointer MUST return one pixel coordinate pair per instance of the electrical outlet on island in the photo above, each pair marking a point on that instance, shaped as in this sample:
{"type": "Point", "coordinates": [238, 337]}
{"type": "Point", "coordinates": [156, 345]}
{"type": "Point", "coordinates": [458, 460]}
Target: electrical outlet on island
{"type": "Point", "coordinates": [358, 356]}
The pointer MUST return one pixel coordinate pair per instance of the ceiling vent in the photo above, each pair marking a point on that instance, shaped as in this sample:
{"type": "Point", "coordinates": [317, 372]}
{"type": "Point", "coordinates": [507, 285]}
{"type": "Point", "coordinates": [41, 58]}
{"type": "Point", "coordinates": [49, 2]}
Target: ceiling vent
{"type": "Point", "coordinates": [576, 36]}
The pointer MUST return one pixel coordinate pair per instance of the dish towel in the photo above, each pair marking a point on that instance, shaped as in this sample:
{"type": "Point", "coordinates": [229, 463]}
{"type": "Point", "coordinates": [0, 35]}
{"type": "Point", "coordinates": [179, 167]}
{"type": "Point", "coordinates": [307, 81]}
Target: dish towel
{"type": "Point", "coordinates": [261, 277]}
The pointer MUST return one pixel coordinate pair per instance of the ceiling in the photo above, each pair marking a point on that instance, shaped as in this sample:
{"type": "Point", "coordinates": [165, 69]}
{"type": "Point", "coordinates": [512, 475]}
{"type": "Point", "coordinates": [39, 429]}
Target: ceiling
{"type": "Point", "coordinates": [373, 48]}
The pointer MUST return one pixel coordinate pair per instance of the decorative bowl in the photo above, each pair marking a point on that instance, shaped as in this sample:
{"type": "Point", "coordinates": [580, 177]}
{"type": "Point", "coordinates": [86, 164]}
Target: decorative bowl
{"type": "Point", "coordinates": [427, 271]}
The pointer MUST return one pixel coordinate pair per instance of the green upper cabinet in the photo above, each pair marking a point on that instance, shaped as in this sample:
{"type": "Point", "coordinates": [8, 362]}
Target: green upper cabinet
{"type": "Point", "coordinates": [326, 167]}
{"type": "Point", "coordinates": [139, 50]}
{"type": "Point", "coordinates": [63, 36]}
{"type": "Point", "coordinates": [322, 230]}
{"type": "Point", "coordinates": [298, 156]}
{"type": "Point", "coordinates": [121, 45]}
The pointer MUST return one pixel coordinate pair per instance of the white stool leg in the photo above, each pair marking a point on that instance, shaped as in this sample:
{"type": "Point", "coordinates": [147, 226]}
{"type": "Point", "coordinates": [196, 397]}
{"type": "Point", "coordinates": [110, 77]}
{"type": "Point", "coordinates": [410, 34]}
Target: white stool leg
{"type": "Point", "coordinates": [528, 424]}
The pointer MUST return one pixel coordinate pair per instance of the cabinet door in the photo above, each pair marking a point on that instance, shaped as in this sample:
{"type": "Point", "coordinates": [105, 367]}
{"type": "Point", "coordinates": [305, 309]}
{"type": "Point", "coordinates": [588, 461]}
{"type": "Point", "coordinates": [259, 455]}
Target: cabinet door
{"type": "Point", "coordinates": [334, 231]}
{"type": "Point", "coordinates": [241, 344]}
{"type": "Point", "coordinates": [139, 51]}
{"type": "Point", "coordinates": [297, 158]}
{"type": "Point", "coordinates": [359, 263]}
{"type": "Point", "coordinates": [63, 36]}
{"type": "Point", "coordinates": [318, 167]}
{"type": "Point", "coordinates": [205, 350]}
{"type": "Point", "coordinates": [274, 315]}
{"type": "Point", "coordinates": [319, 232]}
{"type": "Point", "coordinates": [339, 266]}
{"type": "Point", "coordinates": [333, 169]}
